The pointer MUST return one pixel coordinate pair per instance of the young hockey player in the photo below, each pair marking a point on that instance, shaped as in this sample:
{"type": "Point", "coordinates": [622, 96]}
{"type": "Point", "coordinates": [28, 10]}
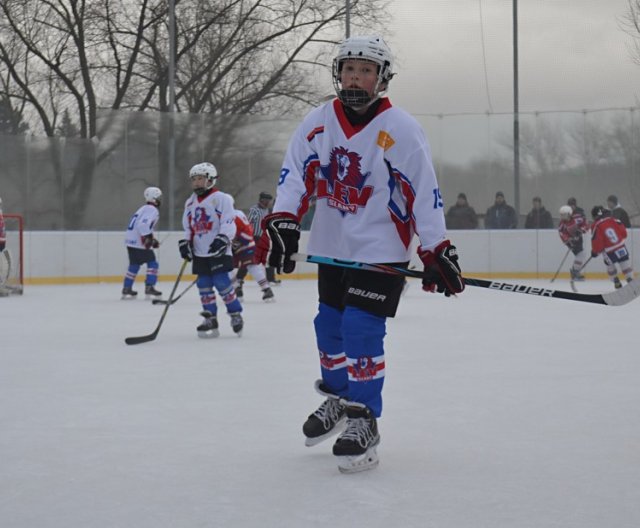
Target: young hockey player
{"type": "Point", "coordinates": [608, 236]}
{"type": "Point", "coordinates": [572, 225]}
{"type": "Point", "coordinates": [369, 165]}
{"type": "Point", "coordinates": [244, 248]}
{"type": "Point", "coordinates": [140, 244]}
{"type": "Point", "coordinates": [209, 227]}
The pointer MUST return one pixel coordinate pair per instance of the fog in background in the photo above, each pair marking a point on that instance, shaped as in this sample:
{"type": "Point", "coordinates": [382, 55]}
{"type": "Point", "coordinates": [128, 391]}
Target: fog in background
{"type": "Point", "coordinates": [579, 124]}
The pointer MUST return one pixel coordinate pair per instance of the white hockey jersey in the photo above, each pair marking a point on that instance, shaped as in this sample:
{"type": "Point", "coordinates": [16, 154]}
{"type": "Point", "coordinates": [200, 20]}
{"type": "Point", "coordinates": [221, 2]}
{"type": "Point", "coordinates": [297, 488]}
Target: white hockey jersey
{"type": "Point", "coordinates": [375, 186]}
{"type": "Point", "coordinates": [205, 218]}
{"type": "Point", "coordinates": [141, 224]}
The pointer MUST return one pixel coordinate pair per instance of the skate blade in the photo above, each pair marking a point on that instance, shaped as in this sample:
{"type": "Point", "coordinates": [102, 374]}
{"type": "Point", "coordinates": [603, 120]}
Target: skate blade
{"type": "Point", "coordinates": [337, 429]}
{"type": "Point", "coordinates": [269, 300]}
{"type": "Point", "coordinates": [208, 334]}
{"type": "Point", "coordinates": [128, 297]}
{"type": "Point", "coordinates": [358, 463]}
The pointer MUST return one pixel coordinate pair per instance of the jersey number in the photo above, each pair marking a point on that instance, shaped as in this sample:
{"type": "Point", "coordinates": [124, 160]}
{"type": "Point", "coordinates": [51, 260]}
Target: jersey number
{"type": "Point", "coordinates": [437, 199]}
{"type": "Point", "coordinates": [132, 222]}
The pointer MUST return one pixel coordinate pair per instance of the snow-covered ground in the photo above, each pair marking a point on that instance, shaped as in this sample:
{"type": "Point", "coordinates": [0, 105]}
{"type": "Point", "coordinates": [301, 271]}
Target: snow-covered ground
{"type": "Point", "coordinates": [501, 410]}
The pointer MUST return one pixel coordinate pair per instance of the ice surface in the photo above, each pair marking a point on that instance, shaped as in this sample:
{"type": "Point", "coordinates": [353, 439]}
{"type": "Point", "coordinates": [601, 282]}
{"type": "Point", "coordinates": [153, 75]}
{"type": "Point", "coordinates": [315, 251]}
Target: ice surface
{"type": "Point", "coordinates": [501, 410]}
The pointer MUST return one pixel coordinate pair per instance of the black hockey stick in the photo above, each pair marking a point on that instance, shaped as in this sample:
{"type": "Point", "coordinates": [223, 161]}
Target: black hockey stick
{"type": "Point", "coordinates": [561, 264]}
{"type": "Point", "coordinates": [154, 334]}
{"type": "Point", "coordinates": [615, 298]}
{"type": "Point", "coordinates": [173, 301]}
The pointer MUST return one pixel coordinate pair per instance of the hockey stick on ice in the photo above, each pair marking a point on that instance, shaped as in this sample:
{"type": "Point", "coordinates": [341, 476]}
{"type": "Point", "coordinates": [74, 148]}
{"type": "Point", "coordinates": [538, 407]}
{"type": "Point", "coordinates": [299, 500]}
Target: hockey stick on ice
{"type": "Point", "coordinates": [154, 334]}
{"type": "Point", "coordinates": [173, 301]}
{"type": "Point", "coordinates": [561, 264]}
{"type": "Point", "coordinates": [615, 298]}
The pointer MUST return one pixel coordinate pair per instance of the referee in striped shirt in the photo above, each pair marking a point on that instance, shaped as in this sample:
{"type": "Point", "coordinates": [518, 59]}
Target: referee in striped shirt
{"type": "Point", "coordinates": [256, 213]}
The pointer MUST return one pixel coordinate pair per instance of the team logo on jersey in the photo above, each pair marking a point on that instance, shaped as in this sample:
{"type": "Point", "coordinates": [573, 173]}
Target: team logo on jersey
{"type": "Point", "coordinates": [201, 222]}
{"type": "Point", "coordinates": [342, 183]}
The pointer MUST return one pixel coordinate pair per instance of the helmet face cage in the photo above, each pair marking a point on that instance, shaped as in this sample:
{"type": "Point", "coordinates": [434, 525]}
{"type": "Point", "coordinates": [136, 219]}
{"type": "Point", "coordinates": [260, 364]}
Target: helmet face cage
{"type": "Point", "coordinates": [205, 169]}
{"type": "Point", "coordinates": [152, 194]}
{"type": "Point", "coordinates": [369, 48]}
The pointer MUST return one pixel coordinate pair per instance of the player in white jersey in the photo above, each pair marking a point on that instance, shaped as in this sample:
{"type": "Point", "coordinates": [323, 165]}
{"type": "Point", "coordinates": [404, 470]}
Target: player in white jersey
{"type": "Point", "coordinates": [209, 227]}
{"type": "Point", "coordinates": [140, 244]}
{"type": "Point", "coordinates": [369, 165]}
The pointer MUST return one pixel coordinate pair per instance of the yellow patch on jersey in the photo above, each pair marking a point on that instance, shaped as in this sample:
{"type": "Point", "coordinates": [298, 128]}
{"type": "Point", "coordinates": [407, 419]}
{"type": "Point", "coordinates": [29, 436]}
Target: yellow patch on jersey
{"type": "Point", "coordinates": [385, 140]}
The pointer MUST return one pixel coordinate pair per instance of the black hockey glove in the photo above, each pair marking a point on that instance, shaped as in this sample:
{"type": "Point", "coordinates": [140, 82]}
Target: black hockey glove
{"type": "Point", "coordinates": [185, 250]}
{"type": "Point", "coordinates": [280, 232]}
{"type": "Point", "coordinates": [150, 242]}
{"type": "Point", "coordinates": [219, 246]}
{"type": "Point", "coordinates": [442, 270]}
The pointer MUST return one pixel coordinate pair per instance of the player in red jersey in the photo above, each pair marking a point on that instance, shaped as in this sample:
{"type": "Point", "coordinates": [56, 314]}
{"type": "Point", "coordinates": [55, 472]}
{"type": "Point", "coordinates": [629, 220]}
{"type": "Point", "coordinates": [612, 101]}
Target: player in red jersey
{"type": "Point", "coordinates": [572, 225]}
{"type": "Point", "coordinates": [244, 248]}
{"type": "Point", "coordinates": [608, 236]}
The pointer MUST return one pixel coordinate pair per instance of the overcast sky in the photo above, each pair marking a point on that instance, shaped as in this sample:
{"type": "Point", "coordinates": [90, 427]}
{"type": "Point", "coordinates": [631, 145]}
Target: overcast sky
{"type": "Point", "coordinates": [573, 55]}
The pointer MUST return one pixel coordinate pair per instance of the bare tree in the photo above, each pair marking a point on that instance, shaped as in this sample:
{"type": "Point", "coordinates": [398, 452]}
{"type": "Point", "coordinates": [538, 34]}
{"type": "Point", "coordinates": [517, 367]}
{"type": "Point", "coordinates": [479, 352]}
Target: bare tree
{"type": "Point", "coordinates": [84, 59]}
{"type": "Point", "coordinates": [630, 23]}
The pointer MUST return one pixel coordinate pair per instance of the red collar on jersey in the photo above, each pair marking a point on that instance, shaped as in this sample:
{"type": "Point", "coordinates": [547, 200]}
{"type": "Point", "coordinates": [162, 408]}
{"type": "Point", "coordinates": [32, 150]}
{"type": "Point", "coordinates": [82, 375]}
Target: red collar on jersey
{"type": "Point", "coordinates": [349, 129]}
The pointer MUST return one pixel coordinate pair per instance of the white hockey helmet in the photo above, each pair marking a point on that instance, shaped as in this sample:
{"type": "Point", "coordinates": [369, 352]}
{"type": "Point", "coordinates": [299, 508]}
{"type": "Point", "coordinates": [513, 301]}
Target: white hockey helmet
{"type": "Point", "coordinates": [371, 48]}
{"type": "Point", "coordinates": [566, 212]}
{"type": "Point", "coordinates": [205, 169]}
{"type": "Point", "coordinates": [153, 194]}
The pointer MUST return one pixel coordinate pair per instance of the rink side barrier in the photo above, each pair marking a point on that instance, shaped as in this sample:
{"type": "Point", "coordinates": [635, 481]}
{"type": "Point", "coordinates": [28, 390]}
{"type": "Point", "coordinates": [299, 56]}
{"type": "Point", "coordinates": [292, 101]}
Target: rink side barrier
{"type": "Point", "coordinates": [89, 257]}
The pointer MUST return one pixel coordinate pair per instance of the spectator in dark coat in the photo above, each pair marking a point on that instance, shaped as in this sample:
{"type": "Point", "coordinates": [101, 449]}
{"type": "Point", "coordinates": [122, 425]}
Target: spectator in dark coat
{"type": "Point", "coordinates": [617, 211]}
{"type": "Point", "coordinates": [538, 217]}
{"type": "Point", "coordinates": [461, 215]}
{"type": "Point", "coordinates": [500, 215]}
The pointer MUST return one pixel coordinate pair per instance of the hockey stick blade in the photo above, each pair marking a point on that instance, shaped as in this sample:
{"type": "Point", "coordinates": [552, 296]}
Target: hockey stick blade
{"type": "Point", "coordinates": [615, 298]}
{"type": "Point", "coordinates": [154, 334]}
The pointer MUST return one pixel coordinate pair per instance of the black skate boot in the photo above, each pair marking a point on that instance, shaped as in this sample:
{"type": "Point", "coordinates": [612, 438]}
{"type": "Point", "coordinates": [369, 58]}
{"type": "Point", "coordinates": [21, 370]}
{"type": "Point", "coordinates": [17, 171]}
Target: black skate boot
{"type": "Point", "coordinates": [617, 284]}
{"type": "Point", "coordinates": [327, 420]}
{"type": "Point", "coordinates": [129, 293]}
{"type": "Point", "coordinates": [267, 295]}
{"type": "Point", "coordinates": [356, 447]}
{"type": "Point", "coordinates": [236, 323]}
{"type": "Point", "coordinates": [239, 292]}
{"type": "Point", "coordinates": [209, 327]}
{"type": "Point", "coordinates": [151, 293]}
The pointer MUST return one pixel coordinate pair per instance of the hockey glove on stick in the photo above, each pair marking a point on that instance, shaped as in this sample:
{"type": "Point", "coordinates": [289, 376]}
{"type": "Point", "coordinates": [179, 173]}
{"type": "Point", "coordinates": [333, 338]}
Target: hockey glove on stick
{"type": "Point", "coordinates": [442, 270]}
{"type": "Point", "coordinates": [219, 246]}
{"type": "Point", "coordinates": [280, 232]}
{"type": "Point", "coordinates": [185, 250]}
{"type": "Point", "coordinates": [150, 242]}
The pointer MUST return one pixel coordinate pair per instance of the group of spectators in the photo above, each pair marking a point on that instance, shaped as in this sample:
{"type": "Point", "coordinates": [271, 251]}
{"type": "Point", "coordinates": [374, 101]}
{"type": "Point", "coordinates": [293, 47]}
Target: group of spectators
{"type": "Point", "coordinates": [502, 216]}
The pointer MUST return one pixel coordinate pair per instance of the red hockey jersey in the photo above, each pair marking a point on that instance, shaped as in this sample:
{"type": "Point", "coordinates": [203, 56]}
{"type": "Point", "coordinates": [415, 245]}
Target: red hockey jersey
{"type": "Point", "coordinates": [607, 234]}
{"type": "Point", "coordinates": [576, 225]}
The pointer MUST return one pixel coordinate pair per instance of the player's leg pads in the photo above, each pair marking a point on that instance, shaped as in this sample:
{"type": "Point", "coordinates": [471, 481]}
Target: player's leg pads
{"type": "Point", "coordinates": [363, 334]}
{"type": "Point", "coordinates": [333, 360]}
{"type": "Point", "coordinates": [223, 284]}
{"type": "Point", "coordinates": [152, 273]}
{"type": "Point", "coordinates": [356, 448]}
{"type": "Point", "coordinates": [327, 420]}
{"type": "Point", "coordinates": [207, 295]}
{"type": "Point", "coordinates": [132, 272]}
